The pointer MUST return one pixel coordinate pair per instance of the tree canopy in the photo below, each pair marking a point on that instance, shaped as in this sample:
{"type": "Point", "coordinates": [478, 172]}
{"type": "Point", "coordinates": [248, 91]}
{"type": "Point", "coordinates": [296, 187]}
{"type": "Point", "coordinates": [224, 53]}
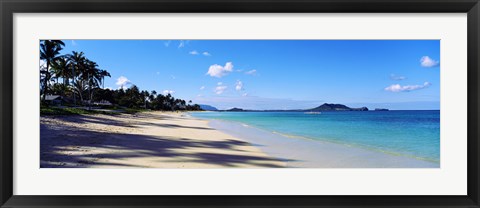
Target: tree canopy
{"type": "Point", "coordinates": [80, 81]}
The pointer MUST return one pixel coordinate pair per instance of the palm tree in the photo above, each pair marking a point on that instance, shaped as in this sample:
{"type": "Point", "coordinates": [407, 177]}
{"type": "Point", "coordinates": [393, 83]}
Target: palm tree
{"type": "Point", "coordinates": [183, 104]}
{"type": "Point", "coordinates": [103, 74]}
{"type": "Point", "coordinates": [162, 102]}
{"type": "Point", "coordinates": [62, 69]}
{"type": "Point", "coordinates": [169, 101]}
{"type": "Point", "coordinates": [79, 86]}
{"type": "Point", "coordinates": [58, 88]}
{"type": "Point", "coordinates": [92, 75]}
{"type": "Point", "coordinates": [77, 60]}
{"type": "Point", "coordinates": [89, 75]}
{"type": "Point", "coordinates": [153, 94]}
{"type": "Point", "coordinates": [146, 96]}
{"type": "Point", "coordinates": [49, 52]}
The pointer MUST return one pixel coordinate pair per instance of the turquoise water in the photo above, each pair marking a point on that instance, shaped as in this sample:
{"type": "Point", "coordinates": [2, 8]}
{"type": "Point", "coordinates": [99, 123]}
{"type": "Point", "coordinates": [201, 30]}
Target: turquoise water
{"type": "Point", "coordinates": [409, 133]}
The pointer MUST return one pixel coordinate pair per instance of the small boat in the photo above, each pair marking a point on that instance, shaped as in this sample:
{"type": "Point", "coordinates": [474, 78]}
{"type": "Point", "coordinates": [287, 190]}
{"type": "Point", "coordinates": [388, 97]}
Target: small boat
{"type": "Point", "coordinates": [313, 112]}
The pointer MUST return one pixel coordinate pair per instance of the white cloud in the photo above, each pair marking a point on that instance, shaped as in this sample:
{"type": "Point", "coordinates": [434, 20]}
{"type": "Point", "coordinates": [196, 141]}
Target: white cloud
{"type": "Point", "coordinates": [220, 83]}
{"type": "Point", "coordinates": [251, 72]}
{"type": "Point", "coordinates": [428, 62]}
{"type": "Point", "coordinates": [167, 43]}
{"type": "Point", "coordinates": [396, 77]}
{"type": "Point", "coordinates": [166, 92]}
{"type": "Point", "coordinates": [238, 85]}
{"type": "Point", "coordinates": [220, 89]}
{"type": "Point", "coordinates": [193, 52]}
{"type": "Point", "coordinates": [206, 53]}
{"type": "Point", "coordinates": [220, 71]}
{"type": "Point", "coordinates": [122, 82]}
{"type": "Point", "coordinates": [181, 44]}
{"type": "Point", "coordinates": [245, 94]}
{"type": "Point", "coordinates": [406, 88]}
{"type": "Point", "coordinates": [202, 87]}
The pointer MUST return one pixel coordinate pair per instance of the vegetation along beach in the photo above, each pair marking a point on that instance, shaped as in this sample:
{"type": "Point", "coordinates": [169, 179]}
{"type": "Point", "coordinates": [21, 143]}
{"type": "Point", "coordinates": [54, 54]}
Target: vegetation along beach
{"type": "Point", "coordinates": [183, 104]}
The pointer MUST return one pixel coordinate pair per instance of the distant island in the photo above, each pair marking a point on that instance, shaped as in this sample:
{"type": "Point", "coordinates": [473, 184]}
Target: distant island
{"type": "Point", "coordinates": [323, 107]}
{"type": "Point", "coordinates": [336, 107]}
{"type": "Point", "coordinates": [237, 109]}
{"type": "Point", "coordinates": [207, 107]}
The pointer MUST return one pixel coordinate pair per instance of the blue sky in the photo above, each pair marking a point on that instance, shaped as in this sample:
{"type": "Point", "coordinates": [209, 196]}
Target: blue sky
{"type": "Point", "coordinates": [275, 74]}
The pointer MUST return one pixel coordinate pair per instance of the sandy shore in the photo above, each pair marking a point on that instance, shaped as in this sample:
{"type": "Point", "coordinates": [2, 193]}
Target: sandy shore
{"type": "Point", "coordinates": [149, 140]}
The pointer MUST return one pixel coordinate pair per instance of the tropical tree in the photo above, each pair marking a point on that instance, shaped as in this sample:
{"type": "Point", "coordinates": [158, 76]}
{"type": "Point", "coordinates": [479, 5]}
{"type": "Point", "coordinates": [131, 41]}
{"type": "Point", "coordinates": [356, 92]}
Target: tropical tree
{"type": "Point", "coordinates": [49, 52]}
{"type": "Point", "coordinates": [180, 104]}
{"type": "Point", "coordinates": [62, 69]}
{"type": "Point", "coordinates": [83, 77]}
{"type": "Point", "coordinates": [145, 96]}
{"type": "Point", "coordinates": [77, 61]}
{"type": "Point", "coordinates": [79, 87]}
{"type": "Point", "coordinates": [169, 102]}
{"type": "Point", "coordinates": [58, 88]}
{"type": "Point", "coordinates": [103, 74]}
{"type": "Point", "coordinates": [92, 75]}
{"type": "Point", "coordinates": [152, 95]}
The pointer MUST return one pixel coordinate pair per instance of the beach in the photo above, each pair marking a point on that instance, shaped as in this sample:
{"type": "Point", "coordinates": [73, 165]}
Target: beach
{"type": "Point", "coordinates": [143, 140]}
{"type": "Point", "coordinates": [179, 140]}
{"type": "Point", "coordinates": [94, 116]}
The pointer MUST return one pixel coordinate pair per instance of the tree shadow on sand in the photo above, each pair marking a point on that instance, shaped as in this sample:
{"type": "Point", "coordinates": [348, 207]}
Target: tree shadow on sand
{"type": "Point", "coordinates": [106, 120]}
{"type": "Point", "coordinates": [59, 148]}
{"type": "Point", "coordinates": [110, 121]}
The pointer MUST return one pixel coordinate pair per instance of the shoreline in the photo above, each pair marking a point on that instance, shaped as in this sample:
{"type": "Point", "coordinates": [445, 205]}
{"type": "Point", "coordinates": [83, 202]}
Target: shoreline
{"type": "Point", "coordinates": [292, 136]}
{"type": "Point", "coordinates": [143, 140]}
{"type": "Point", "coordinates": [180, 140]}
{"type": "Point", "coordinates": [310, 150]}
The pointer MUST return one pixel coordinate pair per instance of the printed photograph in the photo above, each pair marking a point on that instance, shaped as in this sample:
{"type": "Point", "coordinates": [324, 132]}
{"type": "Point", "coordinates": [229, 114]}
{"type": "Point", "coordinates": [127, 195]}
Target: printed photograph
{"type": "Point", "coordinates": [197, 104]}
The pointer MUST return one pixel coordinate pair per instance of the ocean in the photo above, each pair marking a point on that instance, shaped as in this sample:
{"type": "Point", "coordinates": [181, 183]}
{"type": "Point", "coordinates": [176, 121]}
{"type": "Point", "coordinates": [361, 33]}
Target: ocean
{"type": "Point", "coordinates": [414, 134]}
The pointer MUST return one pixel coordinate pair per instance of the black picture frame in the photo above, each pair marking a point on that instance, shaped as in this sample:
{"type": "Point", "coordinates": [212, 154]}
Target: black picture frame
{"type": "Point", "coordinates": [9, 7]}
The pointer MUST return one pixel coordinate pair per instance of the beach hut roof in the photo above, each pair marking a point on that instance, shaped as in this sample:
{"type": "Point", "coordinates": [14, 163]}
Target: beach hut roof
{"type": "Point", "coordinates": [52, 97]}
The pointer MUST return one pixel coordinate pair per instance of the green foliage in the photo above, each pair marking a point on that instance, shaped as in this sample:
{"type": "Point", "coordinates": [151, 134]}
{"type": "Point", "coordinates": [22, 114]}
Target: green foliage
{"type": "Point", "coordinates": [50, 53]}
{"type": "Point", "coordinates": [82, 82]}
{"type": "Point", "coordinates": [135, 99]}
{"type": "Point", "coordinates": [133, 110]}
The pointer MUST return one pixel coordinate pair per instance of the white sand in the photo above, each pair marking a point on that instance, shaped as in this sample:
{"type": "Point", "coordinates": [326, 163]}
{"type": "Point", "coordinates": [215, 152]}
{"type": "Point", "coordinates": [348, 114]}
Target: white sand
{"type": "Point", "coordinates": [176, 140]}
{"type": "Point", "coordinates": [150, 140]}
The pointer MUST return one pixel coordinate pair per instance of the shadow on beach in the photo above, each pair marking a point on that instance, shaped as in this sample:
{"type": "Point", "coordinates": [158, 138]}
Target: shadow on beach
{"type": "Point", "coordinates": [63, 146]}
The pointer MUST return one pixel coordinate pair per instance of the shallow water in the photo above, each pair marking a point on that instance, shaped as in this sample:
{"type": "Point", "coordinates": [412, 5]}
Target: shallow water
{"type": "Point", "coordinates": [413, 134]}
{"type": "Point", "coordinates": [307, 153]}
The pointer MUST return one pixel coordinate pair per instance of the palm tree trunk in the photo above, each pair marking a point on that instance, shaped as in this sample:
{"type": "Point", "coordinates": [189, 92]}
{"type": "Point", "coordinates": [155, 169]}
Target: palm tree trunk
{"type": "Point", "coordinates": [80, 92]}
{"type": "Point", "coordinates": [73, 84]}
{"type": "Point", "coordinates": [81, 98]}
{"type": "Point", "coordinates": [45, 82]}
{"type": "Point", "coordinates": [89, 92]}
{"type": "Point", "coordinates": [65, 85]}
